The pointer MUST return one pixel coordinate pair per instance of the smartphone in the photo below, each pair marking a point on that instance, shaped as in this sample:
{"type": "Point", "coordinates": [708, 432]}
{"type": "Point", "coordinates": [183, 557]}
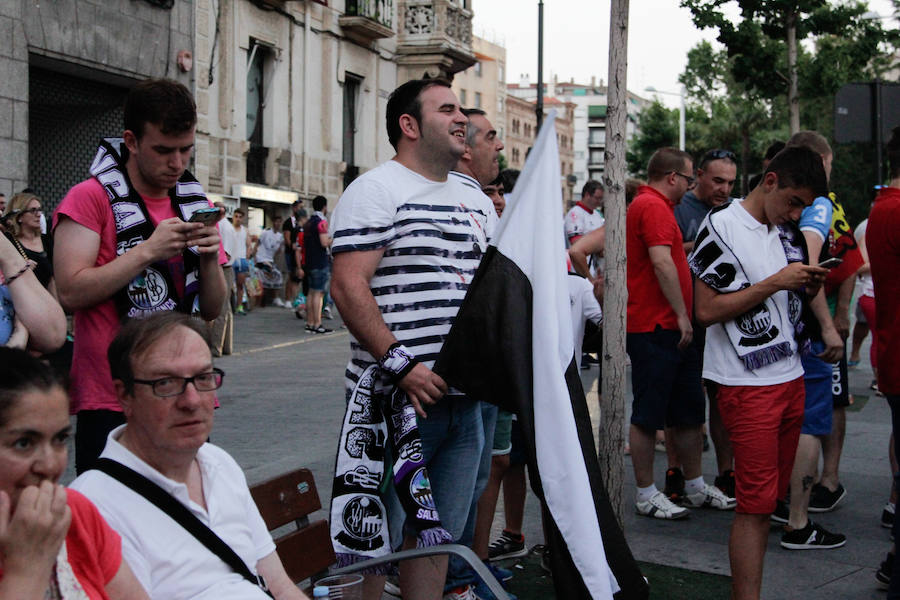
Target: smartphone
{"type": "Point", "coordinates": [830, 263]}
{"type": "Point", "coordinates": [207, 216]}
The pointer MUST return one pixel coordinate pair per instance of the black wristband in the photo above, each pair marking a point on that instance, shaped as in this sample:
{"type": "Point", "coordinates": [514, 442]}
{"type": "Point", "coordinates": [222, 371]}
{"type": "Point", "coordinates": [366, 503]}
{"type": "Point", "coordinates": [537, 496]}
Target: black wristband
{"type": "Point", "coordinates": [397, 362]}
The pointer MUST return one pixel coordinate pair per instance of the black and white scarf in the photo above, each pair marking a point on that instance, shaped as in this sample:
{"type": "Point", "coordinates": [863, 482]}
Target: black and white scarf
{"type": "Point", "coordinates": [154, 288]}
{"type": "Point", "coordinates": [359, 526]}
{"type": "Point", "coordinates": [754, 335]}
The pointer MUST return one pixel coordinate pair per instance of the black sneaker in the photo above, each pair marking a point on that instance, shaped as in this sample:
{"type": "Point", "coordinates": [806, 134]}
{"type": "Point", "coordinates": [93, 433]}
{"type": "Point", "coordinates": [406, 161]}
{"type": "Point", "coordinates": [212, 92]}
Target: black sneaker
{"type": "Point", "coordinates": [887, 515]}
{"type": "Point", "coordinates": [821, 499]}
{"type": "Point", "coordinates": [782, 512]}
{"type": "Point", "coordinates": [508, 545]}
{"type": "Point", "coordinates": [884, 572]}
{"type": "Point", "coordinates": [812, 537]}
{"type": "Point", "coordinates": [725, 482]}
{"type": "Point", "coordinates": [674, 489]}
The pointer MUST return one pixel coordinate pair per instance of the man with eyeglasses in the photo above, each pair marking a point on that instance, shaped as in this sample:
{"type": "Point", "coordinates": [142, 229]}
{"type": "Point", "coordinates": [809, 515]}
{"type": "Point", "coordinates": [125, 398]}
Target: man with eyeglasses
{"type": "Point", "coordinates": [665, 364]}
{"type": "Point", "coordinates": [166, 384]}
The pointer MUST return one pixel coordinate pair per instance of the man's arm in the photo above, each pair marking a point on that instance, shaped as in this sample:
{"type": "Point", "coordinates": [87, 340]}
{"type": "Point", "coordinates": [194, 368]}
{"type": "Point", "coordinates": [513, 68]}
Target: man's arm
{"type": "Point", "coordinates": [667, 275]}
{"type": "Point", "coordinates": [585, 245]}
{"type": "Point", "coordinates": [81, 284]}
{"type": "Point", "coordinates": [842, 308]}
{"type": "Point", "coordinates": [351, 274]}
{"type": "Point", "coordinates": [711, 306]}
{"type": "Point", "coordinates": [280, 585]}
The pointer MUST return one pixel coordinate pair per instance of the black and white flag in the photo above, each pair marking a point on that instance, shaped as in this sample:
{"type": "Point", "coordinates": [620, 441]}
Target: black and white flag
{"type": "Point", "coordinates": [512, 345]}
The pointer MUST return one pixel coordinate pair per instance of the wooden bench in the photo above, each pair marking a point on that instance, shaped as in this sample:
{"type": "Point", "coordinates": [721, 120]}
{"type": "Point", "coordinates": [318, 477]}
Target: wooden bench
{"type": "Point", "coordinates": [306, 550]}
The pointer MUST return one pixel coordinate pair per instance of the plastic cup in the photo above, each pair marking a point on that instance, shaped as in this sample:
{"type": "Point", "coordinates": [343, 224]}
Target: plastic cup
{"type": "Point", "coordinates": [343, 587]}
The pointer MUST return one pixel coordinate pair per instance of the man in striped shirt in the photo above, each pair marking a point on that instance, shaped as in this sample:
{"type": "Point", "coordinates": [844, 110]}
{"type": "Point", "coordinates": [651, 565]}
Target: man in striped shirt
{"type": "Point", "coordinates": [407, 242]}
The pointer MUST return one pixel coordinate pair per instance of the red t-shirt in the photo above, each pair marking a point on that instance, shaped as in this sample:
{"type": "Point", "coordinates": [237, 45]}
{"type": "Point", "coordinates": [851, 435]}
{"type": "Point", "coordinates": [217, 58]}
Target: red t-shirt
{"type": "Point", "coordinates": [883, 244]}
{"type": "Point", "coordinates": [650, 221]}
{"type": "Point", "coordinates": [94, 550]}
{"type": "Point", "coordinates": [91, 382]}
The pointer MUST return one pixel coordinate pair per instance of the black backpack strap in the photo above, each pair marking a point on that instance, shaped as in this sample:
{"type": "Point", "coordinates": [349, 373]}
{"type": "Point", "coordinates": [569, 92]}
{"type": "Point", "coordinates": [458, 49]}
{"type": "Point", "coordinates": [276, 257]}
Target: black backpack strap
{"type": "Point", "coordinates": [180, 514]}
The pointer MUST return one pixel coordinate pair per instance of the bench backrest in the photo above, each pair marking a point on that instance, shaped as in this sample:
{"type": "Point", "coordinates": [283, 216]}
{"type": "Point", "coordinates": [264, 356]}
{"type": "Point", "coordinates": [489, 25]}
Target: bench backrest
{"type": "Point", "coordinates": [290, 498]}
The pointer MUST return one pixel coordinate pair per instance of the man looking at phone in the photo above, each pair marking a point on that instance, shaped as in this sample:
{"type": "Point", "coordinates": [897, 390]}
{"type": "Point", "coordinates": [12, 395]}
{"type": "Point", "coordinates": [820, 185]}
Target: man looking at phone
{"type": "Point", "coordinates": [125, 247]}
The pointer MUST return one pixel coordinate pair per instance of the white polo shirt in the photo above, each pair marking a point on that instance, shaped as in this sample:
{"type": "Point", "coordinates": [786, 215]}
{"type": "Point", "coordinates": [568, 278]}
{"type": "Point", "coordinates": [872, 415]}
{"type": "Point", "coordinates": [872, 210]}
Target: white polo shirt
{"type": "Point", "coordinates": [168, 561]}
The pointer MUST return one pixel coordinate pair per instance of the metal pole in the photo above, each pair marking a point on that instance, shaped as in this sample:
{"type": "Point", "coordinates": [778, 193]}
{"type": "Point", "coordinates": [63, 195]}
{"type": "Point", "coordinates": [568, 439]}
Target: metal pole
{"type": "Point", "coordinates": [681, 121]}
{"type": "Point", "coordinates": [539, 109]}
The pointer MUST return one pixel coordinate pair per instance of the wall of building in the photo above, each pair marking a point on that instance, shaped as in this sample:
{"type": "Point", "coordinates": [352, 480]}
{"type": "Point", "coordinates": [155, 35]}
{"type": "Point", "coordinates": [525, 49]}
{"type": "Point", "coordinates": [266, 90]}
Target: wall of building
{"type": "Point", "coordinates": [489, 84]}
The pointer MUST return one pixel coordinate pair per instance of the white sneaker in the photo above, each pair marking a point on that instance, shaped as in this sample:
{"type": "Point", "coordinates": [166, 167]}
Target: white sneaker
{"type": "Point", "coordinates": [660, 507]}
{"type": "Point", "coordinates": [463, 592]}
{"type": "Point", "coordinates": [278, 302]}
{"type": "Point", "coordinates": [392, 586]}
{"type": "Point", "coordinates": [326, 312]}
{"type": "Point", "coordinates": [709, 497]}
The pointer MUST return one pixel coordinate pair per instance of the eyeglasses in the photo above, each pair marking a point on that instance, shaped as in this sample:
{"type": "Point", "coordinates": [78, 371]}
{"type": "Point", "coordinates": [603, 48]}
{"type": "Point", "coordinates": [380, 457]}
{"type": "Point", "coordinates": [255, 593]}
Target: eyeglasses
{"type": "Point", "coordinates": [166, 387]}
{"type": "Point", "coordinates": [35, 211]}
{"type": "Point", "coordinates": [716, 155]}
{"type": "Point", "coordinates": [692, 181]}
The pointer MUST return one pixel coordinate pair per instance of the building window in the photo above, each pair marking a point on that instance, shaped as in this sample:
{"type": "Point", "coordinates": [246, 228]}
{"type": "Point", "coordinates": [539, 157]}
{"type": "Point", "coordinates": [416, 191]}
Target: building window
{"type": "Point", "coordinates": [499, 105]}
{"type": "Point", "coordinates": [477, 99]}
{"type": "Point", "coordinates": [462, 97]}
{"type": "Point", "coordinates": [478, 69]}
{"type": "Point", "coordinates": [350, 112]}
{"type": "Point", "coordinates": [260, 55]}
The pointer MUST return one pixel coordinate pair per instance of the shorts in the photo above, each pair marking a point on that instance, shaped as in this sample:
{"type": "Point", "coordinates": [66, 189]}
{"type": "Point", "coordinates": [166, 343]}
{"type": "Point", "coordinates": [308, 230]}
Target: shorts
{"type": "Point", "coordinates": [291, 266]}
{"type": "Point", "coordinates": [318, 279]}
{"type": "Point", "coordinates": [818, 406]}
{"type": "Point", "coordinates": [840, 383]}
{"type": "Point", "coordinates": [763, 424]}
{"type": "Point", "coordinates": [503, 434]}
{"type": "Point", "coordinates": [241, 265]}
{"type": "Point", "coordinates": [665, 381]}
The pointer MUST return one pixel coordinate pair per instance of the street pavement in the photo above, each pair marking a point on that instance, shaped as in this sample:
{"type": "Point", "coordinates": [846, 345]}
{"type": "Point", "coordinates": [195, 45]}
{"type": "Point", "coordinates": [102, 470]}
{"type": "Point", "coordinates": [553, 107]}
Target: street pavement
{"type": "Point", "coordinates": [282, 403]}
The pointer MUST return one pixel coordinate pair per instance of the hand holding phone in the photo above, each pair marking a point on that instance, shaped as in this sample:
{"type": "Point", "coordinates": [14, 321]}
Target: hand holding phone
{"type": "Point", "coordinates": [830, 263]}
{"type": "Point", "coordinates": [207, 216]}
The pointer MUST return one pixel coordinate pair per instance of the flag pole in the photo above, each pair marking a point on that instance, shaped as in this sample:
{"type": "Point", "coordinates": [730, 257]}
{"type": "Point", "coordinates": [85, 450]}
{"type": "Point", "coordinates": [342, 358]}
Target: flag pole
{"type": "Point", "coordinates": [615, 299]}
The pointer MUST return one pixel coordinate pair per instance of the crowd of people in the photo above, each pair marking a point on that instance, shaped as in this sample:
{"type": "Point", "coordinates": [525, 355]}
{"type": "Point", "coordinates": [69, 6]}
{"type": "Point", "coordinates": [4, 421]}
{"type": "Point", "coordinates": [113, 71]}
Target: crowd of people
{"type": "Point", "coordinates": [737, 320]}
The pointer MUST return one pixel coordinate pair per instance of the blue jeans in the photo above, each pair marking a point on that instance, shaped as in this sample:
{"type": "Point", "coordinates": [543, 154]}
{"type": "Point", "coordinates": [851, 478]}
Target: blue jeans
{"type": "Point", "coordinates": [452, 443]}
{"type": "Point", "coordinates": [459, 572]}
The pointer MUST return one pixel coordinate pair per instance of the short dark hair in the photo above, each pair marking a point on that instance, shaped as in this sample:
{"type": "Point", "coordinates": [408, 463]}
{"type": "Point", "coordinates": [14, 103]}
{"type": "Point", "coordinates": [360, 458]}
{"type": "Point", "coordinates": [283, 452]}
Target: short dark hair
{"type": "Point", "coordinates": [666, 160]}
{"type": "Point", "coordinates": [893, 153]}
{"type": "Point", "coordinates": [773, 149]}
{"type": "Point", "coordinates": [799, 167]}
{"type": "Point", "coordinates": [406, 100]}
{"type": "Point", "coordinates": [590, 187]}
{"type": "Point", "coordinates": [164, 102]}
{"type": "Point", "coordinates": [813, 140]}
{"type": "Point", "coordinates": [239, 210]}
{"type": "Point", "coordinates": [319, 202]}
{"type": "Point", "coordinates": [509, 177]}
{"type": "Point", "coordinates": [138, 335]}
{"type": "Point", "coordinates": [21, 373]}
{"type": "Point", "coordinates": [719, 154]}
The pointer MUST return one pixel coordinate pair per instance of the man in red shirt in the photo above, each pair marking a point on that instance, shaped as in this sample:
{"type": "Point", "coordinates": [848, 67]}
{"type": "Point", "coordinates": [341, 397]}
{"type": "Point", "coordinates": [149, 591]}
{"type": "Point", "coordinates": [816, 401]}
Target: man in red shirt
{"type": "Point", "coordinates": [883, 244]}
{"type": "Point", "coordinates": [665, 364]}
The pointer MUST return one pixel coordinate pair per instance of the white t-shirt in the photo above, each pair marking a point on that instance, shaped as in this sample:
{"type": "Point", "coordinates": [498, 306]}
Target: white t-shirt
{"type": "Point", "coordinates": [169, 562]}
{"type": "Point", "coordinates": [240, 242]}
{"type": "Point", "coordinates": [864, 284]}
{"type": "Point", "coordinates": [581, 220]}
{"type": "Point", "coordinates": [227, 233]}
{"type": "Point", "coordinates": [584, 308]}
{"type": "Point", "coordinates": [269, 243]}
{"type": "Point", "coordinates": [761, 253]}
{"type": "Point", "coordinates": [433, 235]}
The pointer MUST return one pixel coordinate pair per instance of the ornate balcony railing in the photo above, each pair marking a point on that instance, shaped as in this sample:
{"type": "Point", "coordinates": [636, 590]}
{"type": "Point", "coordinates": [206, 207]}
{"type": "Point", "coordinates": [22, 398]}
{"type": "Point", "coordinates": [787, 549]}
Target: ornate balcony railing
{"type": "Point", "coordinates": [380, 11]}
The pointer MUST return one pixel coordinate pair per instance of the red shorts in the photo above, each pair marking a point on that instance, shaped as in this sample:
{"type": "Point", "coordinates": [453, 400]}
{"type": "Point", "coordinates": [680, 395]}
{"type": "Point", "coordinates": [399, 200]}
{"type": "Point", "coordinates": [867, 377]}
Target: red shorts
{"type": "Point", "coordinates": [763, 423]}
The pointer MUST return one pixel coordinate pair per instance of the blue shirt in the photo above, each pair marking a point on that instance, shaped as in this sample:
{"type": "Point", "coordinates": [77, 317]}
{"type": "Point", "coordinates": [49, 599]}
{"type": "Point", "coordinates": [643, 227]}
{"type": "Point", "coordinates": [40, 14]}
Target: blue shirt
{"type": "Point", "coordinates": [817, 217]}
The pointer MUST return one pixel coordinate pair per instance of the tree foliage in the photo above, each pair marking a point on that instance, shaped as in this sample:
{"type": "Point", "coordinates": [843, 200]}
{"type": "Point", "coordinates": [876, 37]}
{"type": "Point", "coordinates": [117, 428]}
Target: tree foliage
{"type": "Point", "coordinates": [658, 127]}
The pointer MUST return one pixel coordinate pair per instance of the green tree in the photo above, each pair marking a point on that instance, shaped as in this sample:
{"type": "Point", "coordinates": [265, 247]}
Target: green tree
{"type": "Point", "coordinates": [657, 127]}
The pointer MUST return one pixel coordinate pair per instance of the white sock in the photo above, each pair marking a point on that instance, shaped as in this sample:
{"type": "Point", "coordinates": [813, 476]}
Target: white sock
{"type": "Point", "coordinates": [694, 486]}
{"type": "Point", "coordinates": [644, 494]}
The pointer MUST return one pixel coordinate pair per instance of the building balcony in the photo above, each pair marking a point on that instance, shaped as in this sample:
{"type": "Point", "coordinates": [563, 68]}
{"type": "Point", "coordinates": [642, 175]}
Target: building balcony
{"type": "Point", "coordinates": [368, 20]}
{"type": "Point", "coordinates": [434, 38]}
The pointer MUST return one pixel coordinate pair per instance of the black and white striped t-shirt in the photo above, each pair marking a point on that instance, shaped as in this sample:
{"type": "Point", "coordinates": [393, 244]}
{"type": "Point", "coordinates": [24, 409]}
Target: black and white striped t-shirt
{"type": "Point", "coordinates": [433, 234]}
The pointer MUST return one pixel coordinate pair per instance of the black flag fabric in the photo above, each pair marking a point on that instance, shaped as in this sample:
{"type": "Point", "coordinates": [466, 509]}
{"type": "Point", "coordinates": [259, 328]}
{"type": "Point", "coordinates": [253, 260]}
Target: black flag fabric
{"type": "Point", "coordinates": [512, 345]}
